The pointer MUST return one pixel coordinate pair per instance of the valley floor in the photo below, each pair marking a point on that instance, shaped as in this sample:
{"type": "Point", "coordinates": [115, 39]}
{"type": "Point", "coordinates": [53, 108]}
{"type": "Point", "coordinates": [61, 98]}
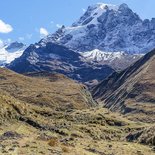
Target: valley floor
{"type": "Point", "coordinates": [95, 131]}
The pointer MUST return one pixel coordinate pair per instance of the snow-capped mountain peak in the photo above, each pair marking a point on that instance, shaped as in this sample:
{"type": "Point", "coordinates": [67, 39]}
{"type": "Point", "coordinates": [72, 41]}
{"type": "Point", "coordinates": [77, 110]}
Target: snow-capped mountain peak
{"type": "Point", "coordinates": [124, 6]}
{"type": "Point", "coordinates": [109, 28]}
{"type": "Point", "coordinates": [104, 6]}
{"type": "Point", "coordinates": [11, 51]}
{"type": "Point", "coordinates": [93, 12]}
{"type": "Point", "coordinates": [14, 46]}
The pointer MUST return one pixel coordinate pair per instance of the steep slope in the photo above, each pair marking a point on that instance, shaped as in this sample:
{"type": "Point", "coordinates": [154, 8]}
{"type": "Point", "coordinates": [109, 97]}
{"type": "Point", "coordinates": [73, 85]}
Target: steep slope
{"type": "Point", "coordinates": [53, 57]}
{"type": "Point", "coordinates": [7, 110]}
{"type": "Point", "coordinates": [10, 52]}
{"type": "Point", "coordinates": [131, 91]}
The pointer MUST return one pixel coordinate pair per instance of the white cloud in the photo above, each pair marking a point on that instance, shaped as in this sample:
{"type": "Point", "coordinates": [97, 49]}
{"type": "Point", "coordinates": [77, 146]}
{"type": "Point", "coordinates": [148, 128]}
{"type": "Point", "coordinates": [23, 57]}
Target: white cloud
{"type": "Point", "coordinates": [58, 25]}
{"type": "Point", "coordinates": [5, 28]}
{"type": "Point", "coordinates": [43, 32]}
{"type": "Point", "coordinates": [84, 10]}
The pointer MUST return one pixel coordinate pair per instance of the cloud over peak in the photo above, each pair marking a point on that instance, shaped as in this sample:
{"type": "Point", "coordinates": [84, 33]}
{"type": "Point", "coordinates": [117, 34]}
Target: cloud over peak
{"type": "Point", "coordinates": [43, 32]}
{"type": "Point", "coordinates": [5, 28]}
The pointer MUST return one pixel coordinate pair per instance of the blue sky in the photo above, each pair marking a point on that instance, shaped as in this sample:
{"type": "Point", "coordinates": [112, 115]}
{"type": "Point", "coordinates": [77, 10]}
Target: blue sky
{"type": "Point", "coordinates": [27, 17]}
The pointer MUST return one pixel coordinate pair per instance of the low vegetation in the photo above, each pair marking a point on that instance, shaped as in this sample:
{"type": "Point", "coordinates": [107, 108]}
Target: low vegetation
{"type": "Point", "coordinates": [82, 128]}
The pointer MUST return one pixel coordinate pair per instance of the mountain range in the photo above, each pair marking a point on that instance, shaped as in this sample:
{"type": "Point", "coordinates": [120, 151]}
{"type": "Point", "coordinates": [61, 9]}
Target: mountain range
{"type": "Point", "coordinates": [104, 39]}
{"type": "Point", "coordinates": [108, 28]}
{"type": "Point", "coordinates": [106, 34]}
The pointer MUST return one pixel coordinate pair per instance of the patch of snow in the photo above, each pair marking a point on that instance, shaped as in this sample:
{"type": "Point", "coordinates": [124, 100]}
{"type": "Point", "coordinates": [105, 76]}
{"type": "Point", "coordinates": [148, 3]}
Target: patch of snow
{"type": "Point", "coordinates": [37, 46]}
{"type": "Point", "coordinates": [97, 55]}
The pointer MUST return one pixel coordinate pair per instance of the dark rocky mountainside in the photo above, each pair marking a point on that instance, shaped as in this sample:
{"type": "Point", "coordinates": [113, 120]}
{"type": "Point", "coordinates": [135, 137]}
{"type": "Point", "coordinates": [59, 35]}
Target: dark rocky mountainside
{"type": "Point", "coordinates": [57, 58]}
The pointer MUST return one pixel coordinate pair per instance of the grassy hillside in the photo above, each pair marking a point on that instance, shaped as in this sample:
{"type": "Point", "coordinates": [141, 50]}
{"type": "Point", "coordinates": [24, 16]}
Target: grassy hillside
{"type": "Point", "coordinates": [83, 132]}
{"type": "Point", "coordinates": [55, 91]}
{"type": "Point", "coordinates": [47, 114]}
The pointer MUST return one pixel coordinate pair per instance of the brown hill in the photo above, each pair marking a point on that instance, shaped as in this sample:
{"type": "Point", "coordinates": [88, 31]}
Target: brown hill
{"type": "Point", "coordinates": [131, 91]}
{"type": "Point", "coordinates": [54, 90]}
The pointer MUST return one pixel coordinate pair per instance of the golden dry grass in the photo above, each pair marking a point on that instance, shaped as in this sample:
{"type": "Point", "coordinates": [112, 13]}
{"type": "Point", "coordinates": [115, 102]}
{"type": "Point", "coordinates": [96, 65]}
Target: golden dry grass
{"type": "Point", "coordinates": [51, 129]}
{"type": "Point", "coordinates": [55, 91]}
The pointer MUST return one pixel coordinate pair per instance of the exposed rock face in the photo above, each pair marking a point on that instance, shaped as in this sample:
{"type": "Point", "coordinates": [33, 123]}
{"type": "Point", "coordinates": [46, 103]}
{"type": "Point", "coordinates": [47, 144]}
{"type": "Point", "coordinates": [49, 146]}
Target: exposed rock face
{"type": "Point", "coordinates": [132, 90]}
